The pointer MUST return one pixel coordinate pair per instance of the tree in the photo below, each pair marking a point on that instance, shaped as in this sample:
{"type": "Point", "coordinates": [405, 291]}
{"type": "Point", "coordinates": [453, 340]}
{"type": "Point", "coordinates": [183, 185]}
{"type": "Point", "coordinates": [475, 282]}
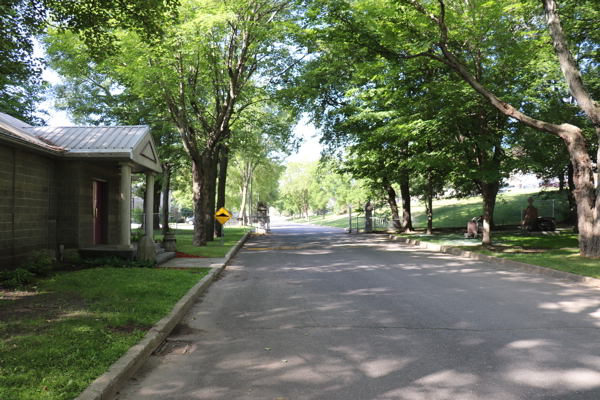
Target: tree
{"type": "Point", "coordinates": [21, 85]}
{"type": "Point", "coordinates": [259, 140]}
{"type": "Point", "coordinates": [92, 94]}
{"type": "Point", "coordinates": [210, 62]}
{"type": "Point", "coordinates": [295, 187]}
{"type": "Point", "coordinates": [445, 31]}
{"type": "Point", "coordinates": [97, 22]}
{"type": "Point", "coordinates": [387, 117]}
{"type": "Point", "coordinates": [207, 71]}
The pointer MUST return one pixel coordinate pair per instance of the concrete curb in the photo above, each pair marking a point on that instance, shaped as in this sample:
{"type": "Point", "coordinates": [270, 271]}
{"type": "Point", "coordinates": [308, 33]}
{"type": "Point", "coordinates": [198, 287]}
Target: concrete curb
{"type": "Point", "coordinates": [533, 269]}
{"type": "Point", "coordinates": [109, 383]}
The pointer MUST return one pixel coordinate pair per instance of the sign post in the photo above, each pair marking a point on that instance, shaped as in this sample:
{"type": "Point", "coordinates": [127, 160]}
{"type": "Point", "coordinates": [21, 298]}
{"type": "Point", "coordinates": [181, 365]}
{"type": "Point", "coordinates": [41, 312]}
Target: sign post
{"type": "Point", "coordinates": [222, 216]}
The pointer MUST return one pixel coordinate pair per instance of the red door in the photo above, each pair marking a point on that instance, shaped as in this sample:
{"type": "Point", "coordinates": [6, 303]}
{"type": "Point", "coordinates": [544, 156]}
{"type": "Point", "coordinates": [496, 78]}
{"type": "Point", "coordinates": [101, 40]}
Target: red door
{"type": "Point", "coordinates": [97, 213]}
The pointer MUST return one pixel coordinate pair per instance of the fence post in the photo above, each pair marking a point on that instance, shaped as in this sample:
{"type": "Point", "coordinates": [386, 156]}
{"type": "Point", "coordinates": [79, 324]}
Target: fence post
{"type": "Point", "coordinates": [553, 209]}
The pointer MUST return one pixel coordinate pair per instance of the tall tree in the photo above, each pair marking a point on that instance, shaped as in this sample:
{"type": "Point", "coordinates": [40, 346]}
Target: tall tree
{"type": "Point", "coordinates": [263, 136]}
{"type": "Point", "coordinates": [96, 22]}
{"type": "Point", "coordinates": [92, 94]}
{"type": "Point", "coordinates": [446, 31]}
{"type": "Point", "coordinates": [296, 187]}
{"type": "Point", "coordinates": [207, 71]}
{"type": "Point", "coordinates": [20, 71]}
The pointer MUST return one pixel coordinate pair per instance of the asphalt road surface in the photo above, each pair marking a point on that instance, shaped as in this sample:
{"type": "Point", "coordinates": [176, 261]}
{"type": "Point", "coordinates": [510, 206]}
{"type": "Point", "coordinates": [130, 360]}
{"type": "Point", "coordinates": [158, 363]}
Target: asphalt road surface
{"type": "Point", "coordinates": [315, 313]}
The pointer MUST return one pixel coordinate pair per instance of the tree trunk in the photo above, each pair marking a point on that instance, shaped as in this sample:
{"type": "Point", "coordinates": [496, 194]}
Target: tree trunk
{"type": "Point", "coordinates": [405, 193]}
{"type": "Point", "coordinates": [250, 198]}
{"type": "Point", "coordinates": [489, 192]}
{"type": "Point", "coordinates": [561, 181]}
{"type": "Point", "coordinates": [143, 225]}
{"type": "Point", "coordinates": [572, 217]}
{"type": "Point", "coordinates": [165, 195]}
{"type": "Point", "coordinates": [243, 204]}
{"type": "Point", "coordinates": [200, 168]}
{"type": "Point", "coordinates": [587, 201]}
{"type": "Point", "coordinates": [223, 162]}
{"type": "Point", "coordinates": [212, 194]}
{"type": "Point", "coordinates": [396, 223]}
{"type": "Point", "coordinates": [305, 203]}
{"type": "Point", "coordinates": [156, 206]}
{"type": "Point", "coordinates": [430, 203]}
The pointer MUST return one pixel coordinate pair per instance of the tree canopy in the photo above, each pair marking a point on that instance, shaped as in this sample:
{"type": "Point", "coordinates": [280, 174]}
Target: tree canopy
{"type": "Point", "coordinates": [411, 95]}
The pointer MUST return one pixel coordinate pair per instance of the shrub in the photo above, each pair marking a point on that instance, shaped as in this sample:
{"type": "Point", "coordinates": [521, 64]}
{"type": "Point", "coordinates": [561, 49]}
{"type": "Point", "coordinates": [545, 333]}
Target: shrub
{"type": "Point", "coordinates": [136, 237]}
{"type": "Point", "coordinates": [138, 215]}
{"type": "Point", "coordinates": [15, 278]}
{"type": "Point", "coordinates": [39, 263]}
{"type": "Point", "coordinates": [73, 257]}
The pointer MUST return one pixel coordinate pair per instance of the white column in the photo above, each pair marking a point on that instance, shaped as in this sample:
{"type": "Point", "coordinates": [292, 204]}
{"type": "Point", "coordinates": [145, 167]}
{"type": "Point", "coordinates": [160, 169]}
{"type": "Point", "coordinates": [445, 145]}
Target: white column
{"type": "Point", "coordinates": [149, 203]}
{"type": "Point", "coordinates": [125, 208]}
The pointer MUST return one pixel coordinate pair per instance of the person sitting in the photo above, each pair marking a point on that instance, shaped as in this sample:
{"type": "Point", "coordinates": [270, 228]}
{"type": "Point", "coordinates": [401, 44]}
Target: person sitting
{"type": "Point", "coordinates": [530, 216]}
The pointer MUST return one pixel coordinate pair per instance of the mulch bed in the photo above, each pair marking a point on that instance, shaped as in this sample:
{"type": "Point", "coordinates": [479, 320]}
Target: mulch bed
{"type": "Point", "coordinates": [183, 255]}
{"type": "Point", "coordinates": [517, 249]}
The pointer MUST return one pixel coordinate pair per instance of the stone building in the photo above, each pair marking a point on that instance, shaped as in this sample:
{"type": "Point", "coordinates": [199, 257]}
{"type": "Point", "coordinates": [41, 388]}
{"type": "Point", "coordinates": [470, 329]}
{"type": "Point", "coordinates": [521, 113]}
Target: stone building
{"type": "Point", "coordinates": [69, 186]}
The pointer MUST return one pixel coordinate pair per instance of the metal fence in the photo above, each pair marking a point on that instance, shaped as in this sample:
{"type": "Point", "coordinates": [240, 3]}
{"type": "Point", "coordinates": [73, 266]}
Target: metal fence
{"type": "Point", "coordinates": [505, 213]}
{"type": "Point", "coordinates": [458, 215]}
{"type": "Point", "coordinates": [378, 223]}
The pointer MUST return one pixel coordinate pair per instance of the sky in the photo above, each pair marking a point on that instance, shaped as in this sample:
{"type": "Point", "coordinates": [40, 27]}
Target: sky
{"type": "Point", "coordinates": [311, 148]}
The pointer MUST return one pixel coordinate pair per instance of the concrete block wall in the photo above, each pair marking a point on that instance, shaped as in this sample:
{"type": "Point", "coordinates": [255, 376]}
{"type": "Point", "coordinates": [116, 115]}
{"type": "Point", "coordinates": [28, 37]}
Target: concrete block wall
{"type": "Point", "coordinates": [27, 209]}
{"type": "Point", "coordinates": [46, 202]}
{"type": "Point", "coordinates": [6, 206]}
{"type": "Point", "coordinates": [68, 213]}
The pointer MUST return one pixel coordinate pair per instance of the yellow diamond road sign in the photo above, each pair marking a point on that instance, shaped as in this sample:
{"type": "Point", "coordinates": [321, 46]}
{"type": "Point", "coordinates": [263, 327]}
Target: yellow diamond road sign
{"type": "Point", "coordinates": [222, 216]}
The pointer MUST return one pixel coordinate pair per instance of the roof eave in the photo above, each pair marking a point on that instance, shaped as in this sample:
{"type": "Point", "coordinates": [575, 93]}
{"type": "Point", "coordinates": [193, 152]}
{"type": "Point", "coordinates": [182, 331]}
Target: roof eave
{"type": "Point", "coordinates": [31, 146]}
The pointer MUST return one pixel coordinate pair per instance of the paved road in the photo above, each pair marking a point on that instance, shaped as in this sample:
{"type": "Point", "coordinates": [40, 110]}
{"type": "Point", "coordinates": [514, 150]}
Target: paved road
{"type": "Point", "coordinates": [315, 313]}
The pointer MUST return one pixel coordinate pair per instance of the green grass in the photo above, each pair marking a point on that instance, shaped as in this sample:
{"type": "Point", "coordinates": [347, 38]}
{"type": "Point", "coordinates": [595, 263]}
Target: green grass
{"type": "Point", "coordinates": [339, 221]}
{"type": "Point", "coordinates": [314, 218]}
{"type": "Point", "coordinates": [560, 252]}
{"type": "Point", "coordinates": [212, 249]}
{"type": "Point", "coordinates": [60, 335]}
{"type": "Point", "coordinates": [453, 213]}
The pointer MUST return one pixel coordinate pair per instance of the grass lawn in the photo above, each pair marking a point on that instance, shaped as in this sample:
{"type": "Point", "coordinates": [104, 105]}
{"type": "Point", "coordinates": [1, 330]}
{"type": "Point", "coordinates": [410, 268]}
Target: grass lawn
{"type": "Point", "coordinates": [452, 213]}
{"type": "Point", "coordinates": [65, 331]}
{"type": "Point", "coordinates": [315, 218]}
{"type": "Point", "coordinates": [560, 252]}
{"type": "Point", "coordinates": [339, 221]}
{"type": "Point", "coordinates": [212, 249]}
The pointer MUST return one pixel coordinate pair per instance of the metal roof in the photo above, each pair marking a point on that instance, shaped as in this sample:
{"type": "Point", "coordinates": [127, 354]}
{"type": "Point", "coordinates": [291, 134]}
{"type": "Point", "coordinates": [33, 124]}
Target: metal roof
{"type": "Point", "coordinates": [91, 139]}
{"type": "Point", "coordinates": [117, 143]}
{"type": "Point", "coordinates": [17, 129]}
{"type": "Point", "coordinates": [7, 119]}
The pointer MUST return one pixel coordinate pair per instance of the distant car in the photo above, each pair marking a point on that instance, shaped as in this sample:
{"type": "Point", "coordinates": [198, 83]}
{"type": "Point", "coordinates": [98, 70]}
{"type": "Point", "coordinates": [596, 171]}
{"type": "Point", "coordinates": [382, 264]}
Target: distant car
{"type": "Point", "coordinates": [190, 220]}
